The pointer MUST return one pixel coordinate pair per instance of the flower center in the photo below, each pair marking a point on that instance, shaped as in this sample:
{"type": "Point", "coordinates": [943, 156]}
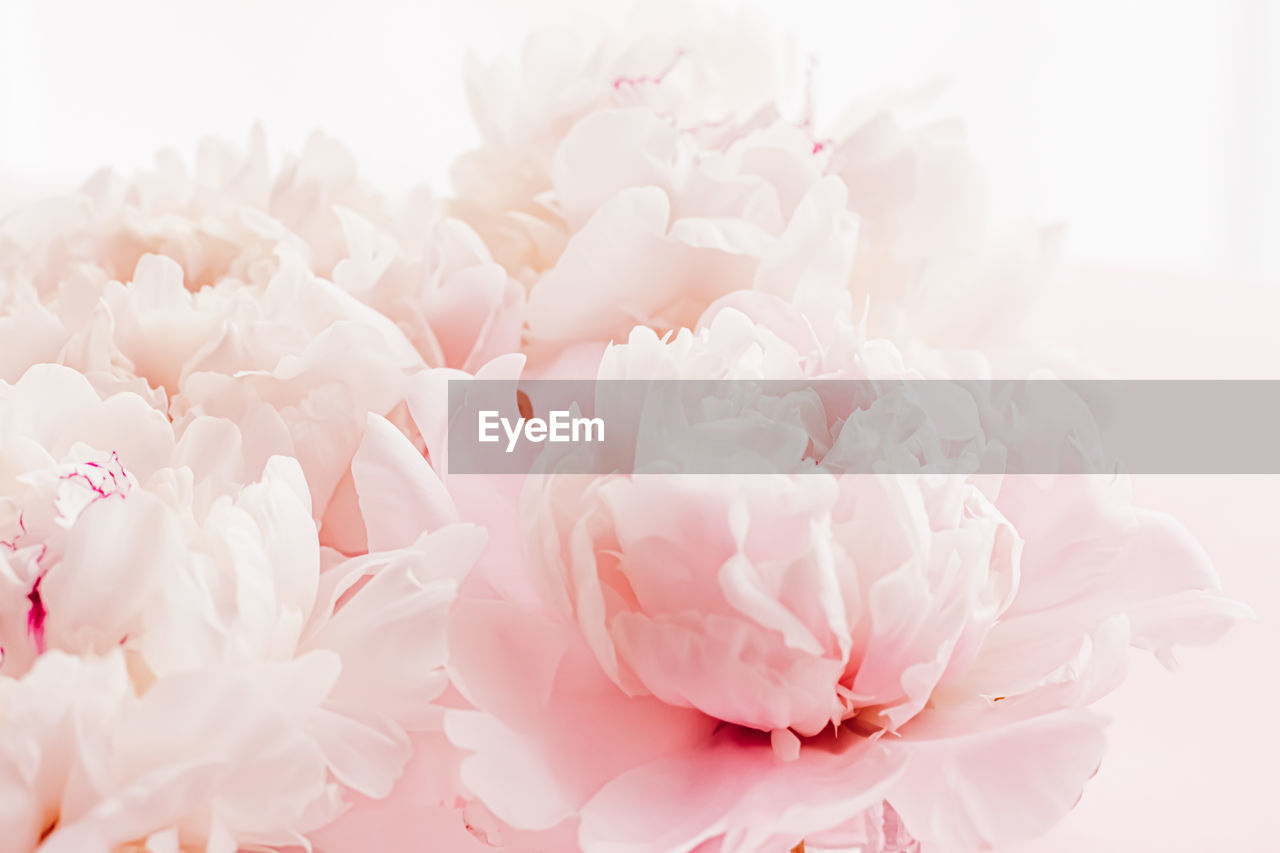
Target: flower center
{"type": "Point", "coordinates": [35, 539]}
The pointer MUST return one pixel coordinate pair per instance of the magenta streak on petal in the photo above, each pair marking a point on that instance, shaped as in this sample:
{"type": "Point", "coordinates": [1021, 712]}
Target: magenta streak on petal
{"type": "Point", "coordinates": [113, 472]}
{"type": "Point", "coordinates": [36, 615]}
{"type": "Point", "coordinates": [99, 490]}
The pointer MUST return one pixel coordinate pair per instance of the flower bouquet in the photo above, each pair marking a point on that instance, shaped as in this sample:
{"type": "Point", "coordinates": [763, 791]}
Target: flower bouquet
{"type": "Point", "coordinates": [251, 599]}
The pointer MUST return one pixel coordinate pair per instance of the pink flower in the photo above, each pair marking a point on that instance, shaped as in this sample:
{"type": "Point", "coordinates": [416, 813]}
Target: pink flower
{"type": "Point", "coordinates": [748, 661]}
{"type": "Point", "coordinates": [633, 176]}
{"type": "Point", "coordinates": [202, 760]}
{"type": "Point", "coordinates": [657, 235]}
{"type": "Point", "coordinates": [169, 592]}
{"type": "Point", "coordinates": [702, 67]}
{"type": "Point", "coordinates": [292, 304]}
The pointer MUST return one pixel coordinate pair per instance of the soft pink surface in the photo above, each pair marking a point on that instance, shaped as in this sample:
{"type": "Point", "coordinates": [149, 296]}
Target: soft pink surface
{"type": "Point", "coordinates": [1192, 757]}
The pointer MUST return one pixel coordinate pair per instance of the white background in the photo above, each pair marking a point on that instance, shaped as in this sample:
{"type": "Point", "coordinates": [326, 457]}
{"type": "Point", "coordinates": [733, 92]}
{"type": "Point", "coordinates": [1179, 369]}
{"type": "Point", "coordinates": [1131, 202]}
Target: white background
{"type": "Point", "coordinates": [1153, 126]}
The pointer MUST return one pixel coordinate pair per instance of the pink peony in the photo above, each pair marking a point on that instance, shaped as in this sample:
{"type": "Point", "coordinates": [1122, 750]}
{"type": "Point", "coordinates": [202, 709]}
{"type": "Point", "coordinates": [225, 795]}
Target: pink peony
{"type": "Point", "coordinates": [292, 304]}
{"type": "Point", "coordinates": [631, 177]}
{"type": "Point", "coordinates": [146, 578]}
{"type": "Point", "coordinates": [751, 661]}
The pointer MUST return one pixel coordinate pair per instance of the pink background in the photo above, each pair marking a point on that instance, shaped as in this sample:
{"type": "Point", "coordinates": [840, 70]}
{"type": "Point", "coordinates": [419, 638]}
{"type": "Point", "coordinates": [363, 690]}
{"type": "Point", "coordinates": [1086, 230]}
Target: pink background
{"type": "Point", "coordinates": [1193, 757]}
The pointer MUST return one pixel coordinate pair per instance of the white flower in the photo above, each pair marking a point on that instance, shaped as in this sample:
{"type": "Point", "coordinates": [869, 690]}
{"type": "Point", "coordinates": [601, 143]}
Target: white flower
{"type": "Point", "coordinates": [234, 677]}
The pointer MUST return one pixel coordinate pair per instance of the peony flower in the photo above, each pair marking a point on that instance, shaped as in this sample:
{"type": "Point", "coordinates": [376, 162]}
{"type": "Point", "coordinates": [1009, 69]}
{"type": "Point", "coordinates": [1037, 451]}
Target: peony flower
{"type": "Point", "coordinates": [629, 171]}
{"type": "Point", "coordinates": [200, 761]}
{"type": "Point", "coordinates": [140, 566]}
{"type": "Point", "coordinates": [660, 232]}
{"type": "Point", "coordinates": [708, 70]}
{"type": "Point", "coordinates": [291, 304]}
{"type": "Point", "coordinates": [742, 662]}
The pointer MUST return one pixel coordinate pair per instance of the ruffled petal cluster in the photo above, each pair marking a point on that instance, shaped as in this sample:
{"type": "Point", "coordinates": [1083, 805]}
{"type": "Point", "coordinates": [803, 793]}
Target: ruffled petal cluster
{"type": "Point", "coordinates": [183, 663]}
{"type": "Point", "coordinates": [904, 654]}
